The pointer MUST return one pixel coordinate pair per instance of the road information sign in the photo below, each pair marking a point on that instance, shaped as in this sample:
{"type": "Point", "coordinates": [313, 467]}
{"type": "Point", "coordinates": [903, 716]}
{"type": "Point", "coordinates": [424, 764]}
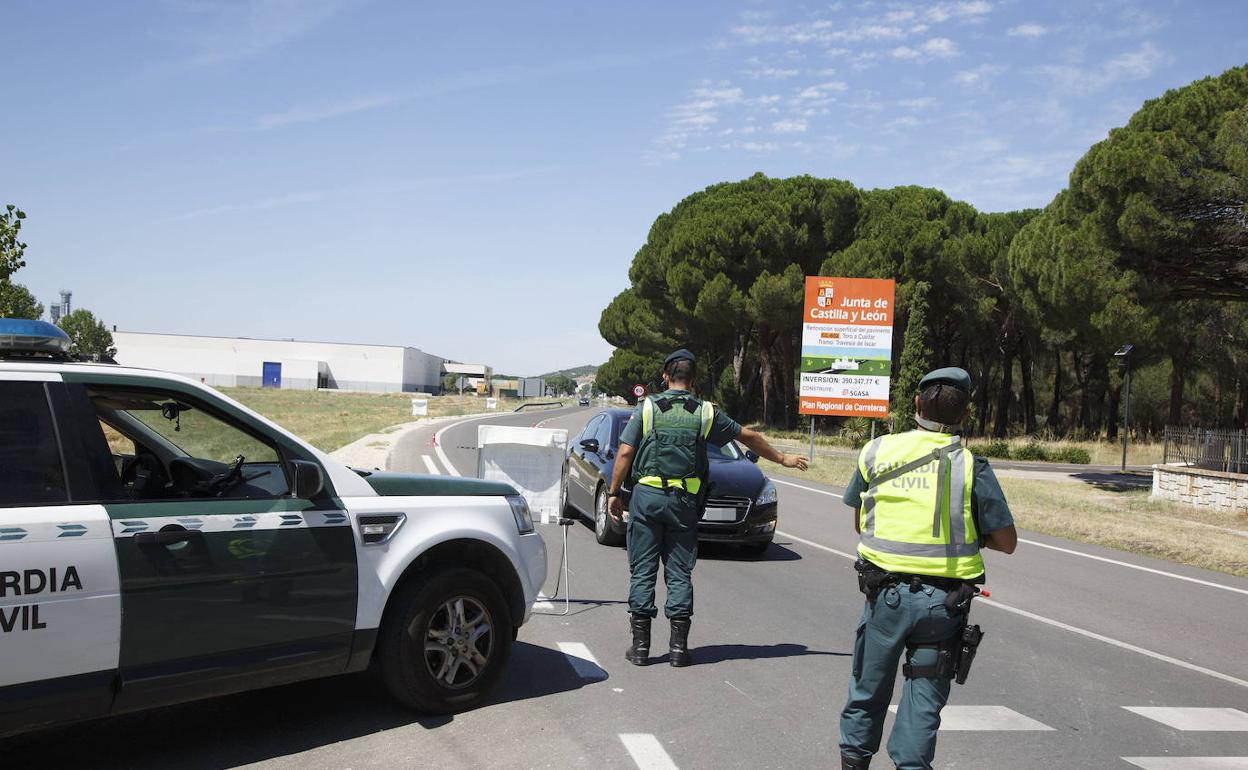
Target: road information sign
{"type": "Point", "coordinates": [847, 347]}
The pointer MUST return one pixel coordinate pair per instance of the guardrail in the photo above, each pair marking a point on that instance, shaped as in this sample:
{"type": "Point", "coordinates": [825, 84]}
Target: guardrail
{"type": "Point", "coordinates": [541, 405]}
{"type": "Point", "coordinates": [1213, 450]}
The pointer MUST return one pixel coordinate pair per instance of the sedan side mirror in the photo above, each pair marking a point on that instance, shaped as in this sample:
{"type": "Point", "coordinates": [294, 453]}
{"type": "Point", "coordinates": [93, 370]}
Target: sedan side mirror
{"type": "Point", "coordinates": [590, 445]}
{"type": "Point", "coordinates": [309, 480]}
{"type": "Point", "coordinates": [751, 455]}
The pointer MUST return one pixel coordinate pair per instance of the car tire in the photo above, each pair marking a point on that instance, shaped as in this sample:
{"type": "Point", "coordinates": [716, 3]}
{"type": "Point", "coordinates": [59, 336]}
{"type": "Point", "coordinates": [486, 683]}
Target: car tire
{"type": "Point", "coordinates": [756, 549]}
{"type": "Point", "coordinates": [604, 533]}
{"type": "Point", "coordinates": [462, 612]}
{"type": "Point", "coordinates": [565, 507]}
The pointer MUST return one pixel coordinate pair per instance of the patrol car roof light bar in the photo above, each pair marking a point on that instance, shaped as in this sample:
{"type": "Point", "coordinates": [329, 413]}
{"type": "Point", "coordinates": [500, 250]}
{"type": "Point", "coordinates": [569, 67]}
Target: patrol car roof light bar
{"type": "Point", "coordinates": [23, 337]}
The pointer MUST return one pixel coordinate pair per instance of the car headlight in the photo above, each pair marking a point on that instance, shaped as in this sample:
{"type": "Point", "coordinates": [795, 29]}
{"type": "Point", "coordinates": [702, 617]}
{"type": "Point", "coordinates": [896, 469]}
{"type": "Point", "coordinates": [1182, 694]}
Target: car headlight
{"type": "Point", "coordinates": [520, 509]}
{"type": "Point", "coordinates": [768, 494]}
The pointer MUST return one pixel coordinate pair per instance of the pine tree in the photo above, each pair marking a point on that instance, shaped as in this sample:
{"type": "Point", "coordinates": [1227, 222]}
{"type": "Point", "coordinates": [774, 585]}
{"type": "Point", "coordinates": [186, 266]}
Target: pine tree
{"type": "Point", "coordinates": [916, 355]}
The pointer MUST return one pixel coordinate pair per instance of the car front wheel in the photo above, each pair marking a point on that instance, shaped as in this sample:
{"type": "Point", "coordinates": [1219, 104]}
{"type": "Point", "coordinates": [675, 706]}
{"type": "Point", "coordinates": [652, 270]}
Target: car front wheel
{"type": "Point", "coordinates": [445, 641]}
{"type": "Point", "coordinates": [604, 533]}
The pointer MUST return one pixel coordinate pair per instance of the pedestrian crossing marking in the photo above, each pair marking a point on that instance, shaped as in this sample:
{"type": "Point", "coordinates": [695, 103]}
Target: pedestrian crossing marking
{"type": "Point", "coordinates": [963, 718]}
{"type": "Point", "coordinates": [1188, 763]}
{"type": "Point", "coordinates": [1195, 719]}
{"type": "Point", "coordinates": [430, 465]}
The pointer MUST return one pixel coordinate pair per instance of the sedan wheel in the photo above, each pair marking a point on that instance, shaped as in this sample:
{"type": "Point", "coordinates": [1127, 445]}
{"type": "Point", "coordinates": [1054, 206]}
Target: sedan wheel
{"type": "Point", "coordinates": [604, 533]}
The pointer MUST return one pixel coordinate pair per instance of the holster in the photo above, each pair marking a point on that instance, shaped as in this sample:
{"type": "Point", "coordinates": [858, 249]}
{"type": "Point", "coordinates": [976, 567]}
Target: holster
{"type": "Point", "coordinates": [871, 578]}
{"type": "Point", "coordinates": [968, 643]}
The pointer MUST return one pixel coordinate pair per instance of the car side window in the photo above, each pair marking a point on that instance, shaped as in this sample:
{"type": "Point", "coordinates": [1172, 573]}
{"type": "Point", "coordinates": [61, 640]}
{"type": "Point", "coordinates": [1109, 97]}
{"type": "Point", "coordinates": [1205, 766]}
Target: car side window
{"type": "Point", "coordinates": [30, 457]}
{"type": "Point", "coordinates": [604, 433]}
{"type": "Point", "coordinates": [183, 448]}
{"type": "Point", "coordinates": [591, 430]}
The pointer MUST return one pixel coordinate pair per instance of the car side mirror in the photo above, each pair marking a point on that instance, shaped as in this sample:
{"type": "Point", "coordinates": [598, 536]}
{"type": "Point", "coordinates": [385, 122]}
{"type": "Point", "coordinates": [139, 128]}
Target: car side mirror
{"type": "Point", "coordinates": [751, 455]}
{"type": "Point", "coordinates": [308, 479]}
{"type": "Point", "coordinates": [590, 445]}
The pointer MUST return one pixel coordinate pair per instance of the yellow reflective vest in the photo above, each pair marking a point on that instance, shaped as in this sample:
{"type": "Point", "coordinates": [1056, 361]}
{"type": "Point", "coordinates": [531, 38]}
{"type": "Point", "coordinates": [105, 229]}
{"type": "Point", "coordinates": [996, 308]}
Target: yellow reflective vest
{"type": "Point", "coordinates": [916, 512]}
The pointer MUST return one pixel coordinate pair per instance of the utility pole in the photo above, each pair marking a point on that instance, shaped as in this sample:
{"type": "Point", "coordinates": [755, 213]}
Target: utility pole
{"type": "Point", "coordinates": [1124, 361]}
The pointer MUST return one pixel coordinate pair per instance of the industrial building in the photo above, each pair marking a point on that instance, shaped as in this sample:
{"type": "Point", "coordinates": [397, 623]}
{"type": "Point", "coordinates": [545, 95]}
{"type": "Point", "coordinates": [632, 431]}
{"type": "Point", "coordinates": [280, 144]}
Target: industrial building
{"type": "Point", "coordinates": [245, 362]}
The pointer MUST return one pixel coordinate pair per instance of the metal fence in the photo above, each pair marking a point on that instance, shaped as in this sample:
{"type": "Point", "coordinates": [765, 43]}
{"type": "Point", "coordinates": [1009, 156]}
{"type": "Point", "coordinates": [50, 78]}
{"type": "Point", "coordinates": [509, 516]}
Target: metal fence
{"type": "Point", "coordinates": [1214, 450]}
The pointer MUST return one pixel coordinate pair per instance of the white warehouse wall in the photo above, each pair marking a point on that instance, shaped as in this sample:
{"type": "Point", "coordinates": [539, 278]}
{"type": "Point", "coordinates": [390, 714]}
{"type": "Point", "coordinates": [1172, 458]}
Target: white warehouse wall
{"type": "Point", "coordinates": [239, 362]}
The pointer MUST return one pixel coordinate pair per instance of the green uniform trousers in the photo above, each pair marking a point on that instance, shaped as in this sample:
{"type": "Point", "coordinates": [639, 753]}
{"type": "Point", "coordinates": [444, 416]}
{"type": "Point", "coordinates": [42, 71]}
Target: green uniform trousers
{"type": "Point", "coordinates": [662, 526]}
{"type": "Point", "coordinates": [899, 615]}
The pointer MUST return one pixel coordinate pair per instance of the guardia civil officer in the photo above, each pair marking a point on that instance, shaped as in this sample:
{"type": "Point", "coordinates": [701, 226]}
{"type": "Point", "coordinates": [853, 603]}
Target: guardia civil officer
{"type": "Point", "coordinates": [925, 506]}
{"type": "Point", "coordinates": [663, 452]}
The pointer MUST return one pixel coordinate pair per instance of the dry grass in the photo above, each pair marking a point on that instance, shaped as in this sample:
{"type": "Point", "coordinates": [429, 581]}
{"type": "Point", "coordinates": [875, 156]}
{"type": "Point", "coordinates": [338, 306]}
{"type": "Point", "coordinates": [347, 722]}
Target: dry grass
{"type": "Point", "coordinates": [1126, 521]}
{"type": "Point", "coordinates": [329, 420]}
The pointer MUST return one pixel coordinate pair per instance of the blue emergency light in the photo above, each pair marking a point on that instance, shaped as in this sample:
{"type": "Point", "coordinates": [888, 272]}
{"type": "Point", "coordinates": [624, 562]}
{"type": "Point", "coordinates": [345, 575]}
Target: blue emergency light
{"type": "Point", "coordinates": [18, 335]}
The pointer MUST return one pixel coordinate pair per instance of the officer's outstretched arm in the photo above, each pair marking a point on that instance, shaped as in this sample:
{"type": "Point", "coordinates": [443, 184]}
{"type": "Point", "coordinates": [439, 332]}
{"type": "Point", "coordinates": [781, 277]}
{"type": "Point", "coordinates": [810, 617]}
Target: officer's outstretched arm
{"type": "Point", "coordinates": [754, 440]}
{"type": "Point", "coordinates": [1004, 539]}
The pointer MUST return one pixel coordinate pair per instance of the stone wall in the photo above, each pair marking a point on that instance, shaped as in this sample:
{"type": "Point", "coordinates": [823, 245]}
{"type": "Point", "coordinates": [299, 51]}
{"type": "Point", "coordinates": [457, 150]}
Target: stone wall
{"type": "Point", "coordinates": [1201, 488]}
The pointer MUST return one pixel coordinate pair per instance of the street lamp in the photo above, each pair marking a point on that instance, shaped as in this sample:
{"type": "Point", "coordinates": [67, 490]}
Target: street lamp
{"type": "Point", "coordinates": [1124, 362]}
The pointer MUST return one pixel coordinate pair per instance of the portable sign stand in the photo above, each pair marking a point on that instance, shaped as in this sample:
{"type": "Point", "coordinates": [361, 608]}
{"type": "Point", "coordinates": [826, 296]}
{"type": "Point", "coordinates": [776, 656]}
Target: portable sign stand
{"type": "Point", "coordinates": [531, 460]}
{"type": "Point", "coordinates": [847, 349]}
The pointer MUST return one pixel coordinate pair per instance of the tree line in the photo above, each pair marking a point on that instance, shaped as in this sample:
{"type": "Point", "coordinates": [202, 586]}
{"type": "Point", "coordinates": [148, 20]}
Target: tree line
{"type": "Point", "coordinates": [88, 336]}
{"type": "Point", "coordinates": [1147, 245]}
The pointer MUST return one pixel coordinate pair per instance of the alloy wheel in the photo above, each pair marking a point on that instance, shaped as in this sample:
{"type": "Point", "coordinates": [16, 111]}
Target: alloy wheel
{"type": "Point", "coordinates": [458, 642]}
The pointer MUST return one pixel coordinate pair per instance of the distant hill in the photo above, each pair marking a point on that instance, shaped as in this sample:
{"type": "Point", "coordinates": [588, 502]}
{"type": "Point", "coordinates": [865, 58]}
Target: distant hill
{"type": "Point", "coordinates": [579, 371]}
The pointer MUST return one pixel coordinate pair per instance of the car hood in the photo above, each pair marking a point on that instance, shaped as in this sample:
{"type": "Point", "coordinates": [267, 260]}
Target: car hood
{"type": "Point", "coordinates": [388, 484]}
{"type": "Point", "coordinates": [735, 478]}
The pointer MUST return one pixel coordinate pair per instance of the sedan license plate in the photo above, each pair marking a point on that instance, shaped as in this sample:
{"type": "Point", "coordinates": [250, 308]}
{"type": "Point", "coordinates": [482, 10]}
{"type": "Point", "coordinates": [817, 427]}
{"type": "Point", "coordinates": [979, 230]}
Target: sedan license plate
{"type": "Point", "coordinates": [720, 514]}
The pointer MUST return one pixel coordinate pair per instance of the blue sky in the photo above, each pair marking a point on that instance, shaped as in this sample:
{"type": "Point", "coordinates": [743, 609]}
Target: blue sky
{"type": "Point", "coordinates": [473, 179]}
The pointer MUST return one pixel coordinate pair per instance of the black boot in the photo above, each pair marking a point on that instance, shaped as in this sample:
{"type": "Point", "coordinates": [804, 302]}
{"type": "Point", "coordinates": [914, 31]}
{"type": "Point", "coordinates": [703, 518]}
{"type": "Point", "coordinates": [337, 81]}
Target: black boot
{"type": "Point", "coordinates": [850, 763]}
{"type": "Point", "coordinates": [639, 653]}
{"type": "Point", "coordinates": [680, 642]}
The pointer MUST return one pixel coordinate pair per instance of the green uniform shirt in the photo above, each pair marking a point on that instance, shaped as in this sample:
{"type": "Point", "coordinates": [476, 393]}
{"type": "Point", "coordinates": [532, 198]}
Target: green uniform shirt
{"type": "Point", "coordinates": [723, 427]}
{"type": "Point", "coordinates": [988, 506]}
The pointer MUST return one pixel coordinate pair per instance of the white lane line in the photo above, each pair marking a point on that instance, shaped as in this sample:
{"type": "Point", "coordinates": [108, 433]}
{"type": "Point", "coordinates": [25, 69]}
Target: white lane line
{"type": "Point", "coordinates": [1195, 719]}
{"type": "Point", "coordinates": [1064, 626]}
{"type": "Point", "coordinates": [1072, 552]}
{"type": "Point", "coordinates": [1189, 763]}
{"type": "Point", "coordinates": [647, 752]}
{"type": "Point", "coordinates": [1174, 575]}
{"type": "Point", "coordinates": [437, 438]}
{"type": "Point", "coordinates": [433, 468]}
{"type": "Point", "coordinates": [984, 718]}
{"type": "Point", "coordinates": [582, 660]}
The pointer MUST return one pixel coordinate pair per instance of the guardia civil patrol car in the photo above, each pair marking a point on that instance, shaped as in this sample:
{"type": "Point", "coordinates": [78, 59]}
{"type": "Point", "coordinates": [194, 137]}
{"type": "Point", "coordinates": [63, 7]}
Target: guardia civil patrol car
{"type": "Point", "coordinates": [160, 542]}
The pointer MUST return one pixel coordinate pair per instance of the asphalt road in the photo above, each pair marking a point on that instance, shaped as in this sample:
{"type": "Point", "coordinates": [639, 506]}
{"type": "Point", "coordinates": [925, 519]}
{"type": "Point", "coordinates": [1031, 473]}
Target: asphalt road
{"type": "Point", "coordinates": [1076, 637]}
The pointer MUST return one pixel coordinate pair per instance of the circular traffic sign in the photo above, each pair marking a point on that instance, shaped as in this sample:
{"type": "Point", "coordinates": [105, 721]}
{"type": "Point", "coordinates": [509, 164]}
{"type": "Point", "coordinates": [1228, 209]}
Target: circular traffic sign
{"type": "Point", "coordinates": [639, 390]}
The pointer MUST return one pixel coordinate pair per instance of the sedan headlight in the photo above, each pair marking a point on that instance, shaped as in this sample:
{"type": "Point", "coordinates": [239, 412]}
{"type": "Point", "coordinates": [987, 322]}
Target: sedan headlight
{"type": "Point", "coordinates": [520, 509]}
{"type": "Point", "coordinates": [768, 494]}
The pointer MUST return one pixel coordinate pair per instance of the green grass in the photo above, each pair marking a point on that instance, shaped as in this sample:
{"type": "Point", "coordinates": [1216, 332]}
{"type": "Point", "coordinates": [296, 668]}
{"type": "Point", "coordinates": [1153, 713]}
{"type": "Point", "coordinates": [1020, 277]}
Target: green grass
{"type": "Point", "coordinates": [1126, 521]}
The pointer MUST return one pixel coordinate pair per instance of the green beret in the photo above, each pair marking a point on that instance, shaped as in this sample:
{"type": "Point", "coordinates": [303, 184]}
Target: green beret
{"type": "Point", "coordinates": [677, 356]}
{"type": "Point", "coordinates": [950, 375]}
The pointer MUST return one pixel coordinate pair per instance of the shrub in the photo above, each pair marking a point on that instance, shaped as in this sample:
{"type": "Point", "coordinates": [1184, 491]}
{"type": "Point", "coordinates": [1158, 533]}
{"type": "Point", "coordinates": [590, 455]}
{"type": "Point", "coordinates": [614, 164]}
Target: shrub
{"type": "Point", "coordinates": [1031, 451]}
{"type": "Point", "coordinates": [1071, 454]}
{"type": "Point", "coordinates": [998, 449]}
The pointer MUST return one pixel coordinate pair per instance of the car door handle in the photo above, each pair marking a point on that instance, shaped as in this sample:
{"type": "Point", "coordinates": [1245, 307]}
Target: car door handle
{"type": "Point", "coordinates": [167, 537]}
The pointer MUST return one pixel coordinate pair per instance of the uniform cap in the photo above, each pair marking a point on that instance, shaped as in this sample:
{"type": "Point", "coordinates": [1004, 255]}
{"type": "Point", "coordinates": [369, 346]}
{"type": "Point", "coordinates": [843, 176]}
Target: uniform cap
{"type": "Point", "coordinates": [950, 375]}
{"type": "Point", "coordinates": [679, 355]}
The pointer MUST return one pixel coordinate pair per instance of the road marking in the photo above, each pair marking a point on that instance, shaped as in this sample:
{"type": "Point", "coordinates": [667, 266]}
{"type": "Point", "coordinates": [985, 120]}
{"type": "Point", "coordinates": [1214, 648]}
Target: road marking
{"type": "Point", "coordinates": [582, 660]}
{"type": "Point", "coordinates": [1189, 763]}
{"type": "Point", "coordinates": [984, 718]}
{"type": "Point", "coordinates": [1195, 719]}
{"type": "Point", "coordinates": [647, 752]}
{"type": "Point", "coordinates": [430, 465]}
{"type": "Point", "coordinates": [437, 437]}
{"type": "Point", "coordinates": [1064, 626]}
{"type": "Point", "coordinates": [1070, 551]}
{"type": "Point", "coordinates": [1174, 575]}
{"type": "Point", "coordinates": [813, 544]}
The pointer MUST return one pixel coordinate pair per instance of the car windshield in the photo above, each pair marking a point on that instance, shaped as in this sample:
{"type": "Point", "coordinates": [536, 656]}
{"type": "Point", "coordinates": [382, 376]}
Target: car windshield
{"type": "Point", "coordinates": [728, 451]}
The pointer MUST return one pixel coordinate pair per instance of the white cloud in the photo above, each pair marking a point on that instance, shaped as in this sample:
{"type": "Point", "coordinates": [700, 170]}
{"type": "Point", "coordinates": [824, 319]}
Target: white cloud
{"type": "Point", "coordinates": [973, 10]}
{"type": "Point", "coordinates": [227, 33]}
{"type": "Point", "coordinates": [978, 77]}
{"type": "Point", "coordinates": [1027, 30]}
{"type": "Point", "coordinates": [772, 73]}
{"type": "Point", "coordinates": [822, 91]}
{"type": "Point", "coordinates": [789, 126]}
{"type": "Point", "coordinates": [759, 146]}
{"type": "Point", "coordinates": [1132, 65]}
{"type": "Point", "coordinates": [921, 103]}
{"type": "Point", "coordinates": [935, 48]}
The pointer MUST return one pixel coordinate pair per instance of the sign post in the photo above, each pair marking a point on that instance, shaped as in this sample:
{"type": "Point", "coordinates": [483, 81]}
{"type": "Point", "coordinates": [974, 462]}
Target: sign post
{"type": "Point", "coordinates": [847, 347]}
